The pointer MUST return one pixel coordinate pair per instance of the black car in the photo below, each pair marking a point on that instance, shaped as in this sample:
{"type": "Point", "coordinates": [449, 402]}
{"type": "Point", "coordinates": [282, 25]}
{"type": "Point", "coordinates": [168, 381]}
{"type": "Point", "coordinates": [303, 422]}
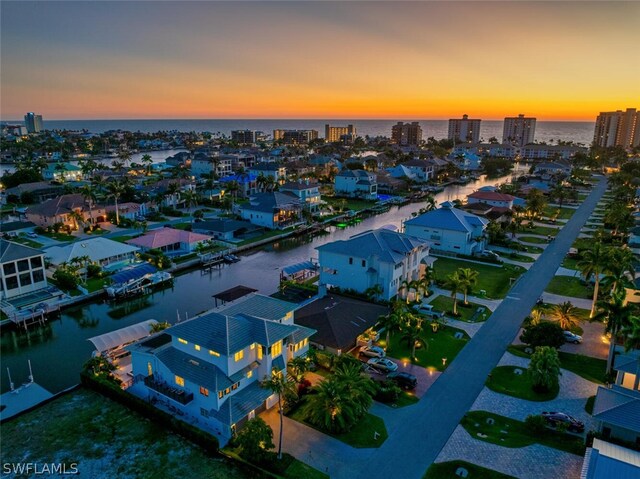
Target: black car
{"type": "Point", "coordinates": [404, 380]}
{"type": "Point", "coordinates": [556, 418]}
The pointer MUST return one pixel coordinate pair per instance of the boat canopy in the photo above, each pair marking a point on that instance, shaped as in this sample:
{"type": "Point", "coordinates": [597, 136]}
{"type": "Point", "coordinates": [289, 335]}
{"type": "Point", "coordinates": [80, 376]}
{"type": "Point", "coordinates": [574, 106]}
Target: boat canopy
{"type": "Point", "coordinates": [120, 337]}
{"type": "Point", "coordinates": [133, 273]}
{"type": "Point", "coordinates": [295, 268]}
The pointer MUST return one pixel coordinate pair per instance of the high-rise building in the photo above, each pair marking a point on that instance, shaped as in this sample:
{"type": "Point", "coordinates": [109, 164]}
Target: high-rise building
{"type": "Point", "coordinates": [617, 128]}
{"type": "Point", "coordinates": [464, 130]}
{"type": "Point", "coordinates": [339, 133]}
{"type": "Point", "coordinates": [519, 131]}
{"type": "Point", "coordinates": [406, 134]}
{"type": "Point", "coordinates": [33, 122]}
{"type": "Point", "coordinates": [245, 137]}
{"type": "Point", "coordinates": [295, 137]}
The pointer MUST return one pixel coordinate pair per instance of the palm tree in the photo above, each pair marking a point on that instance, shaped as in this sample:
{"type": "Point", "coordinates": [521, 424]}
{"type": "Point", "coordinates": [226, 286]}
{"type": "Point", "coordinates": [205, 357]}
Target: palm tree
{"type": "Point", "coordinates": [115, 190]}
{"type": "Point", "coordinates": [455, 284]}
{"type": "Point", "coordinates": [172, 191]}
{"type": "Point", "coordinates": [469, 278]}
{"type": "Point", "coordinates": [90, 196]}
{"type": "Point", "coordinates": [279, 384]}
{"type": "Point", "coordinates": [147, 162]}
{"type": "Point", "coordinates": [125, 155]}
{"type": "Point", "coordinates": [617, 316]}
{"type": "Point", "coordinates": [297, 368]}
{"type": "Point", "coordinates": [157, 327]}
{"type": "Point", "coordinates": [359, 386]}
{"type": "Point", "coordinates": [373, 291]}
{"type": "Point", "coordinates": [544, 368]}
{"type": "Point", "coordinates": [411, 331]}
{"type": "Point", "coordinates": [261, 180]}
{"type": "Point", "coordinates": [621, 270]}
{"type": "Point", "coordinates": [405, 285]}
{"type": "Point", "coordinates": [77, 219]}
{"type": "Point", "coordinates": [331, 407]}
{"type": "Point", "coordinates": [190, 197]}
{"type": "Point", "coordinates": [566, 314]}
{"type": "Point", "coordinates": [593, 262]}
{"type": "Point", "coordinates": [559, 193]}
{"type": "Point", "coordinates": [391, 323]}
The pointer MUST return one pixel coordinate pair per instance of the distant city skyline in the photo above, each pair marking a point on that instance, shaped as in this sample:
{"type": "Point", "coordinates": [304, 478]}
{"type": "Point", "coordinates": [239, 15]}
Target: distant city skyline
{"type": "Point", "coordinates": [270, 60]}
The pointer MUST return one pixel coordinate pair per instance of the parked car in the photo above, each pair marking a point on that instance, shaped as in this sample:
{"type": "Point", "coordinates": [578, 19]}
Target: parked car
{"type": "Point", "coordinates": [427, 310]}
{"type": "Point", "coordinates": [489, 254]}
{"type": "Point", "coordinates": [373, 351]}
{"type": "Point", "coordinates": [404, 380]}
{"type": "Point", "coordinates": [556, 418]}
{"type": "Point", "coordinates": [383, 364]}
{"type": "Point", "coordinates": [32, 235]}
{"type": "Point", "coordinates": [570, 337]}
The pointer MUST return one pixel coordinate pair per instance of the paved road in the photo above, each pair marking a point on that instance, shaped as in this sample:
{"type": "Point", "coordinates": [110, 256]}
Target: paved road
{"type": "Point", "coordinates": [414, 445]}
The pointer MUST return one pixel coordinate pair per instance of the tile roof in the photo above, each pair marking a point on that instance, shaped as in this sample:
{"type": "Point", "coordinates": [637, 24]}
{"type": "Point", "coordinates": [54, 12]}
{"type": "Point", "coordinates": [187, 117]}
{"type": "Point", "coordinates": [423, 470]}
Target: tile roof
{"type": "Point", "coordinates": [618, 406]}
{"type": "Point", "coordinates": [627, 363]}
{"type": "Point", "coordinates": [61, 205]}
{"type": "Point", "coordinates": [165, 236]}
{"type": "Point", "coordinates": [355, 174]}
{"type": "Point", "coordinates": [388, 246]}
{"type": "Point", "coordinates": [10, 251]}
{"type": "Point", "coordinates": [298, 186]}
{"type": "Point", "coordinates": [491, 196]}
{"type": "Point", "coordinates": [448, 218]}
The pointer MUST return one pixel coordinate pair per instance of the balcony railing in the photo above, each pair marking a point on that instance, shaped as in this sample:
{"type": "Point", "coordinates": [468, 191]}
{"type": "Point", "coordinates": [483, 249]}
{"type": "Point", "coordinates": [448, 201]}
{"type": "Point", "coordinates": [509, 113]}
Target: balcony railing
{"type": "Point", "coordinates": [177, 394]}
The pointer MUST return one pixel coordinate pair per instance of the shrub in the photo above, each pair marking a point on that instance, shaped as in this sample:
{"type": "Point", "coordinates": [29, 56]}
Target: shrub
{"type": "Point", "coordinates": [543, 334]}
{"type": "Point", "coordinates": [66, 280]}
{"type": "Point", "coordinates": [387, 392]}
{"type": "Point", "coordinates": [536, 424]}
{"type": "Point", "coordinates": [544, 369]}
{"type": "Point", "coordinates": [255, 440]}
{"type": "Point", "coordinates": [94, 270]}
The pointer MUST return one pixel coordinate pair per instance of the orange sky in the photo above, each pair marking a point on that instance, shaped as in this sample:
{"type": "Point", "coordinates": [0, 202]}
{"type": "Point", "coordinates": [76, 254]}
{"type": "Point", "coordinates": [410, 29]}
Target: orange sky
{"type": "Point", "coordinates": [552, 60]}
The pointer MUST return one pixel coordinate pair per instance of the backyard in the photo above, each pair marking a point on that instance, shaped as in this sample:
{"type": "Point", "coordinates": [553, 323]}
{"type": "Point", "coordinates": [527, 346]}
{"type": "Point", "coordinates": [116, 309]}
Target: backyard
{"type": "Point", "coordinates": [494, 280]}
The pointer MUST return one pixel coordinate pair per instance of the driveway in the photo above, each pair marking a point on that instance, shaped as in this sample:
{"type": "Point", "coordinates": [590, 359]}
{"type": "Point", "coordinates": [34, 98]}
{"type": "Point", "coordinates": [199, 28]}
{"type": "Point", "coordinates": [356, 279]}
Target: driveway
{"type": "Point", "coordinates": [425, 376]}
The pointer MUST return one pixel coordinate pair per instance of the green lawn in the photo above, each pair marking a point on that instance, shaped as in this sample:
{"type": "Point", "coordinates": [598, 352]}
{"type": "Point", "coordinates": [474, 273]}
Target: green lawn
{"type": "Point", "coordinates": [591, 369]}
{"type": "Point", "coordinates": [542, 230]}
{"type": "Point", "coordinates": [495, 280]}
{"type": "Point", "coordinates": [518, 257]}
{"type": "Point", "coordinates": [60, 236]}
{"type": "Point", "coordinates": [296, 469]}
{"type": "Point", "coordinates": [533, 239]}
{"type": "Point", "coordinates": [27, 242]}
{"type": "Point", "coordinates": [361, 436]}
{"type": "Point", "coordinates": [504, 380]}
{"type": "Point", "coordinates": [570, 263]}
{"type": "Point", "coordinates": [569, 286]}
{"type": "Point", "coordinates": [268, 234]}
{"type": "Point", "coordinates": [563, 213]}
{"type": "Point", "coordinates": [517, 433]}
{"type": "Point", "coordinates": [101, 435]}
{"type": "Point", "coordinates": [444, 303]}
{"type": "Point", "coordinates": [531, 249]}
{"type": "Point", "coordinates": [447, 470]}
{"type": "Point", "coordinates": [124, 238]}
{"type": "Point", "coordinates": [434, 347]}
{"type": "Point", "coordinates": [95, 284]}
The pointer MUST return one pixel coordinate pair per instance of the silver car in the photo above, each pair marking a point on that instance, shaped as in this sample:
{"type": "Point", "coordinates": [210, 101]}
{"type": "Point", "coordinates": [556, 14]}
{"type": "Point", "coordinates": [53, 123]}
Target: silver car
{"type": "Point", "coordinates": [570, 337]}
{"type": "Point", "coordinates": [373, 351]}
{"type": "Point", "coordinates": [383, 364]}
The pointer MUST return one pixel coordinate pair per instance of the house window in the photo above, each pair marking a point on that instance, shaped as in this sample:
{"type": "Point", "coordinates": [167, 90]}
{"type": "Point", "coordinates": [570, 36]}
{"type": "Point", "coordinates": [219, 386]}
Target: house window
{"type": "Point", "coordinates": [36, 262]}
{"type": "Point", "coordinates": [249, 374]}
{"type": "Point", "coordinates": [235, 386]}
{"type": "Point", "coordinates": [204, 412]}
{"type": "Point", "coordinates": [179, 381]}
{"type": "Point", "coordinates": [253, 346]}
{"type": "Point", "coordinates": [204, 391]}
{"type": "Point", "coordinates": [183, 341]}
{"type": "Point", "coordinates": [239, 355]}
{"type": "Point", "coordinates": [23, 265]}
{"type": "Point", "coordinates": [197, 347]}
{"type": "Point", "coordinates": [276, 349]}
{"type": "Point", "coordinates": [260, 352]}
{"type": "Point", "coordinates": [364, 263]}
{"type": "Point", "coordinates": [350, 260]}
{"type": "Point", "coordinates": [220, 394]}
{"type": "Point", "coordinates": [213, 353]}
{"type": "Point", "coordinates": [227, 391]}
{"type": "Point", "coordinates": [38, 276]}
{"type": "Point", "coordinates": [149, 369]}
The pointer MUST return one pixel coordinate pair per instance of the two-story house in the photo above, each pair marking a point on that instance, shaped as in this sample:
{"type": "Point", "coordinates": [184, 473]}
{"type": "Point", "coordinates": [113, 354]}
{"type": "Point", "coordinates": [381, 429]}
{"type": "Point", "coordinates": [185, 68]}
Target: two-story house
{"type": "Point", "coordinates": [22, 270]}
{"type": "Point", "coordinates": [493, 198]}
{"type": "Point", "coordinates": [273, 210]}
{"type": "Point", "coordinates": [60, 209]}
{"type": "Point", "coordinates": [356, 184]}
{"type": "Point", "coordinates": [210, 367]}
{"type": "Point", "coordinates": [305, 191]}
{"type": "Point", "coordinates": [270, 169]}
{"type": "Point", "coordinates": [380, 257]}
{"type": "Point", "coordinates": [450, 229]}
{"type": "Point", "coordinates": [421, 170]}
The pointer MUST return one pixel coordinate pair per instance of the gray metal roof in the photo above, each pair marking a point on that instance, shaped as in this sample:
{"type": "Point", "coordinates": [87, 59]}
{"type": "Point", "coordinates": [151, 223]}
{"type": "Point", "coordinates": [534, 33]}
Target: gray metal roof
{"type": "Point", "coordinates": [259, 306]}
{"type": "Point", "coordinates": [194, 369]}
{"type": "Point", "coordinates": [618, 406]}
{"type": "Point", "coordinates": [10, 251]}
{"type": "Point", "coordinates": [448, 218]}
{"type": "Point", "coordinates": [607, 461]}
{"type": "Point", "coordinates": [240, 404]}
{"type": "Point", "coordinates": [269, 201]}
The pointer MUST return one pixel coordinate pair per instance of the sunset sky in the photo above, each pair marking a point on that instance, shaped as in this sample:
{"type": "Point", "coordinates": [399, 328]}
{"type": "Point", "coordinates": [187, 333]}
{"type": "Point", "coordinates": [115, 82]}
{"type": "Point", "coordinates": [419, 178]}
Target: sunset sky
{"type": "Point", "coordinates": [414, 60]}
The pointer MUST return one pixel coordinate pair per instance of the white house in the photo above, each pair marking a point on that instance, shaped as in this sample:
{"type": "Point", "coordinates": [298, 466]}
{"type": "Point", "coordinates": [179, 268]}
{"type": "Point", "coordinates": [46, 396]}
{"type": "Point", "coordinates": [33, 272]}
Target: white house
{"type": "Point", "coordinates": [450, 229]}
{"type": "Point", "coordinates": [379, 257]}
{"type": "Point", "coordinates": [209, 368]}
{"type": "Point", "coordinates": [99, 250]}
{"type": "Point", "coordinates": [272, 210]}
{"type": "Point", "coordinates": [274, 170]}
{"type": "Point", "coordinates": [356, 184]}
{"type": "Point", "coordinates": [22, 270]}
{"type": "Point", "coordinates": [306, 192]}
{"type": "Point", "coordinates": [493, 198]}
{"type": "Point", "coordinates": [421, 170]}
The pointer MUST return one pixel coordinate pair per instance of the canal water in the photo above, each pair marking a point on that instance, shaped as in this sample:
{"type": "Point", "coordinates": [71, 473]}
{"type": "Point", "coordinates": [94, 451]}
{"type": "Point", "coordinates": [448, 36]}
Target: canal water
{"type": "Point", "coordinates": [58, 350]}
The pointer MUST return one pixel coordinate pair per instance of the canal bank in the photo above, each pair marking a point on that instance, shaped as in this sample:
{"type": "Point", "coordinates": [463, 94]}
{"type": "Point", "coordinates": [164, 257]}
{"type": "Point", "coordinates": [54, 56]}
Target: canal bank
{"type": "Point", "coordinates": [58, 349]}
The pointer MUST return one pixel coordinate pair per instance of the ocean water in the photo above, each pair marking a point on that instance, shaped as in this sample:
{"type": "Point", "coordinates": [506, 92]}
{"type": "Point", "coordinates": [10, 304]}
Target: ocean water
{"type": "Point", "coordinates": [577, 131]}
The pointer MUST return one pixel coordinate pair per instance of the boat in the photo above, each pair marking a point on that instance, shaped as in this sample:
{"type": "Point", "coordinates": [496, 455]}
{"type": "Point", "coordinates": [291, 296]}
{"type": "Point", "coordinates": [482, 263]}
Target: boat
{"type": "Point", "coordinates": [138, 280]}
{"type": "Point", "coordinates": [231, 258]}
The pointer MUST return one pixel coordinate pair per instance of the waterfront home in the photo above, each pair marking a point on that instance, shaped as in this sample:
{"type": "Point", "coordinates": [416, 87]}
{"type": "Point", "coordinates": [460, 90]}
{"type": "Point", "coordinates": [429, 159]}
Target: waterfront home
{"type": "Point", "coordinates": [223, 228]}
{"type": "Point", "coordinates": [245, 184]}
{"type": "Point", "coordinates": [62, 172]}
{"type": "Point", "coordinates": [182, 158]}
{"type": "Point", "coordinates": [58, 210]}
{"type": "Point", "coordinates": [450, 229]}
{"type": "Point", "coordinates": [356, 184]}
{"type": "Point", "coordinates": [270, 169]}
{"type": "Point", "coordinates": [273, 210]}
{"type": "Point", "coordinates": [549, 169]}
{"type": "Point", "coordinates": [22, 270]}
{"type": "Point", "coordinates": [164, 189]}
{"type": "Point", "coordinates": [169, 240]}
{"type": "Point", "coordinates": [505, 150]}
{"type": "Point", "coordinates": [492, 198]}
{"type": "Point", "coordinates": [604, 460]}
{"type": "Point", "coordinates": [101, 251]}
{"type": "Point", "coordinates": [259, 305]}
{"type": "Point", "coordinates": [382, 257]}
{"type": "Point", "coordinates": [305, 191]}
{"type": "Point", "coordinates": [419, 170]}
{"type": "Point", "coordinates": [338, 321]}
{"type": "Point", "coordinates": [36, 192]}
{"type": "Point", "coordinates": [210, 367]}
{"type": "Point", "coordinates": [131, 211]}
{"type": "Point", "coordinates": [220, 166]}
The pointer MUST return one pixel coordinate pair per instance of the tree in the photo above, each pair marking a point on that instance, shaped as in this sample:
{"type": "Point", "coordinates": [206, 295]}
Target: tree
{"type": "Point", "coordinates": [115, 190]}
{"type": "Point", "coordinates": [90, 197]}
{"type": "Point", "coordinates": [455, 284]}
{"type": "Point", "coordinates": [391, 323]}
{"type": "Point", "coordinates": [373, 291]}
{"type": "Point", "coordinates": [545, 333]}
{"type": "Point", "coordinates": [565, 314]}
{"type": "Point", "coordinates": [468, 278]}
{"type": "Point", "coordinates": [544, 369]}
{"type": "Point", "coordinates": [411, 331]}
{"type": "Point", "coordinates": [173, 190]}
{"type": "Point", "coordinates": [616, 316]}
{"type": "Point", "coordinates": [330, 407]}
{"type": "Point", "coordinates": [157, 327]}
{"type": "Point", "coordinates": [255, 440]}
{"type": "Point", "coordinates": [279, 384]}
{"type": "Point", "coordinates": [358, 386]}
{"type": "Point", "coordinates": [298, 367]}
{"type": "Point", "coordinates": [593, 263]}
{"type": "Point", "coordinates": [536, 203]}
{"type": "Point", "coordinates": [560, 193]}
{"type": "Point", "coordinates": [621, 271]}
{"type": "Point", "coordinates": [147, 162]}
{"type": "Point", "coordinates": [77, 219]}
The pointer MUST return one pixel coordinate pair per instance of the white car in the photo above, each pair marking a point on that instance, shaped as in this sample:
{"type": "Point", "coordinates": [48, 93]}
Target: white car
{"type": "Point", "coordinates": [570, 337]}
{"type": "Point", "coordinates": [373, 351]}
{"type": "Point", "coordinates": [383, 364]}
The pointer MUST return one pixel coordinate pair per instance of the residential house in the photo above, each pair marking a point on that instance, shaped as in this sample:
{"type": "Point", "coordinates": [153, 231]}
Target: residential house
{"type": "Point", "coordinates": [338, 321]}
{"type": "Point", "coordinates": [23, 270]}
{"type": "Point", "coordinates": [182, 158]}
{"type": "Point", "coordinates": [161, 190]}
{"type": "Point", "coordinates": [98, 250]}
{"type": "Point", "coordinates": [633, 291]}
{"type": "Point", "coordinates": [210, 367]}
{"type": "Point", "coordinates": [129, 210]}
{"type": "Point", "coordinates": [492, 198]}
{"type": "Point", "coordinates": [59, 209]}
{"type": "Point", "coordinates": [169, 240]}
{"type": "Point", "coordinates": [380, 257]}
{"type": "Point", "coordinates": [273, 210]}
{"type": "Point", "coordinates": [548, 169]}
{"type": "Point", "coordinates": [305, 191]}
{"type": "Point", "coordinates": [550, 152]}
{"type": "Point", "coordinates": [356, 184]}
{"type": "Point", "coordinates": [245, 182]}
{"type": "Point", "coordinates": [627, 367]}
{"type": "Point", "coordinates": [270, 169]}
{"type": "Point", "coordinates": [617, 412]}
{"type": "Point", "coordinates": [450, 229]}
{"type": "Point", "coordinates": [604, 460]}
{"type": "Point", "coordinates": [37, 192]}
{"type": "Point", "coordinates": [223, 229]}
{"type": "Point", "coordinates": [419, 170]}
{"type": "Point", "coordinates": [62, 172]}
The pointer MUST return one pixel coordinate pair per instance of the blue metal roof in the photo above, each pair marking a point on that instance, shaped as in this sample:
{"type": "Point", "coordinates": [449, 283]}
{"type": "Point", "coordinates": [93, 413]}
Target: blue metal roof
{"type": "Point", "coordinates": [133, 273]}
{"type": "Point", "coordinates": [295, 268]}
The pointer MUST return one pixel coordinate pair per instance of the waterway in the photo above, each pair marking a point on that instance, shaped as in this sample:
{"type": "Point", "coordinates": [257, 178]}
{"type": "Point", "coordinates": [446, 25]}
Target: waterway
{"type": "Point", "coordinates": [58, 349]}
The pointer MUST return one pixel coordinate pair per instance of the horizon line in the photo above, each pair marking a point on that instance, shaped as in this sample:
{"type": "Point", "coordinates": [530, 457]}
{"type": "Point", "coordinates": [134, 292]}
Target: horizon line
{"type": "Point", "coordinates": [44, 119]}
